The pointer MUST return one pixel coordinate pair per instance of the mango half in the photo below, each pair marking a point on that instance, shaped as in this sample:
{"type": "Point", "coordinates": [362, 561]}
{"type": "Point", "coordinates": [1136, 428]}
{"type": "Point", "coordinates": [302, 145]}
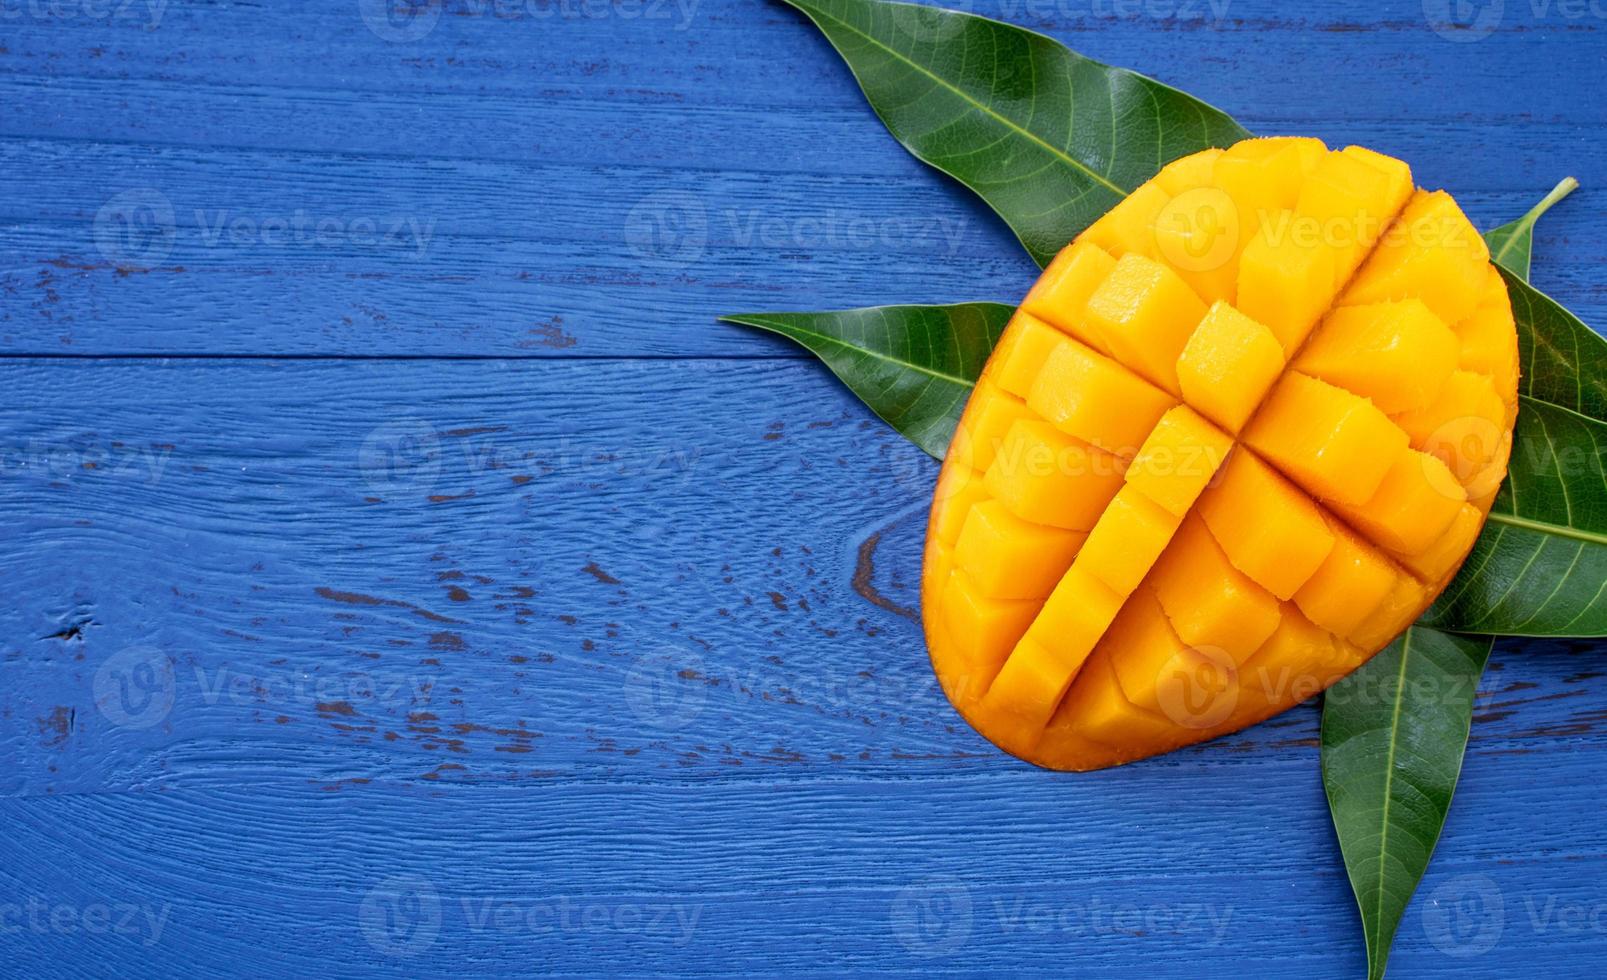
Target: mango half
{"type": "Point", "coordinates": [1237, 438]}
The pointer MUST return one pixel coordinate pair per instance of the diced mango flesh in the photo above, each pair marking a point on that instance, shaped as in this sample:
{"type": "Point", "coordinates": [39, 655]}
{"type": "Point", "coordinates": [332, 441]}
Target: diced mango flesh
{"type": "Point", "coordinates": [1267, 527]}
{"type": "Point", "coordinates": [1042, 475]}
{"type": "Point", "coordinates": [1060, 297]}
{"type": "Point", "coordinates": [1109, 572]}
{"type": "Point", "coordinates": [1181, 455]}
{"type": "Point", "coordinates": [1075, 390]}
{"type": "Point", "coordinates": [1433, 254]}
{"type": "Point", "coordinates": [1395, 354]}
{"type": "Point", "coordinates": [1265, 175]}
{"type": "Point", "coordinates": [1188, 173]}
{"type": "Point", "coordinates": [1126, 228]}
{"type": "Point", "coordinates": [1212, 604]}
{"type": "Point", "coordinates": [1415, 504]}
{"type": "Point", "coordinates": [1348, 586]}
{"type": "Point", "coordinates": [1286, 279]}
{"type": "Point", "coordinates": [1129, 537]}
{"type": "Point", "coordinates": [1467, 428]}
{"type": "Point", "coordinates": [1227, 366]}
{"type": "Point", "coordinates": [1008, 558]}
{"type": "Point", "coordinates": [1144, 313]}
{"type": "Point", "coordinates": [1335, 445]}
{"type": "Point", "coordinates": [1025, 346]}
{"type": "Point", "coordinates": [987, 420]}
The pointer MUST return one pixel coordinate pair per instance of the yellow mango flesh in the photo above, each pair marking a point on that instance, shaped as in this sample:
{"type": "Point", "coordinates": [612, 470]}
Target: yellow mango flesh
{"type": "Point", "coordinates": [1242, 432]}
{"type": "Point", "coordinates": [1228, 365]}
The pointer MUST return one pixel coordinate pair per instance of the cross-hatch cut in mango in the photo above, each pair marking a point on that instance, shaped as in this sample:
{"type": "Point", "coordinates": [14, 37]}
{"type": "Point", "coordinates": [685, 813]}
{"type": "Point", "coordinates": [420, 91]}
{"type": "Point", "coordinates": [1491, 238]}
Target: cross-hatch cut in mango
{"type": "Point", "coordinates": [1238, 437]}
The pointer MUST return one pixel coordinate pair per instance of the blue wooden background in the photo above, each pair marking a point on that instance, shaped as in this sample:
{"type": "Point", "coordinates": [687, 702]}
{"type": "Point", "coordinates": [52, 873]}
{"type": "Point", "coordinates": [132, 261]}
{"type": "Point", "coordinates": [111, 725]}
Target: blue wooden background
{"type": "Point", "coordinates": [407, 576]}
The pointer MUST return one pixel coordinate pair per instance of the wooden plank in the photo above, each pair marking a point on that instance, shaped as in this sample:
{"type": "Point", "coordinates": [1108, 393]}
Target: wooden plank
{"type": "Point", "coordinates": [295, 253]}
{"type": "Point", "coordinates": [606, 626]}
{"type": "Point", "coordinates": [1350, 59]}
{"type": "Point", "coordinates": [951, 876]}
{"type": "Point", "coordinates": [418, 572]}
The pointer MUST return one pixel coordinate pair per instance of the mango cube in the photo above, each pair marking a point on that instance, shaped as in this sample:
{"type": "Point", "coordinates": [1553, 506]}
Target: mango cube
{"type": "Point", "coordinates": [1348, 200]}
{"type": "Point", "coordinates": [1008, 558]}
{"type": "Point", "coordinates": [1076, 390]}
{"type": "Point", "coordinates": [1141, 645]}
{"type": "Point", "coordinates": [1144, 313]}
{"type": "Point", "coordinates": [1269, 530]}
{"type": "Point", "coordinates": [1097, 709]}
{"type": "Point", "coordinates": [1060, 297]}
{"type": "Point", "coordinates": [1415, 504]}
{"type": "Point", "coordinates": [1021, 353]}
{"type": "Point", "coordinates": [1187, 173]}
{"type": "Point", "coordinates": [1286, 279]}
{"type": "Point", "coordinates": [1212, 604]}
{"type": "Point", "coordinates": [1336, 445]}
{"type": "Point", "coordinates": [959, 488]}
{"type": "Point", "coordinates": [1044, 476]}
{"type": "Point", "coordinates": [1467, 428]}
{"type": "Point", "coordinates": [1396, 354]}
{"type": "Point", "coordinates": [1126, 228]}
{"type": "Point", "coordinates": [1228, 366]}
{"type": "Point", "coordinates": [1265, 175]}
{"type": "Point", "coordinates": [1025, 694]}
{"type": "Point", "coordinates": [1392, 616]}
{"type": "Point", "coordinates": [1433, 254]}
{"type": "Point", "coordinates": [1041, 667]}
{"type": "Point", "coordinates": [982, 428]}
{"type": "Point", "coordinates": [1177, 460]}
{"type": "Point", "coordinates": [1128, 539]}
{"type": "Point", "coordinates": [1298, 660]}
{"type": "Point", "coordinates": [1489, 340]}
{"type": "Point", "coordinates": [1435, 563]}
{"type": "Point", "coordinates": [1200, 235]}
{"type": "Point", "coordinates": [984, 629]}
{"type": "Point", "coordinates": [1351, 582]}
{"type": "Point", "coordinates": [1075, 616]}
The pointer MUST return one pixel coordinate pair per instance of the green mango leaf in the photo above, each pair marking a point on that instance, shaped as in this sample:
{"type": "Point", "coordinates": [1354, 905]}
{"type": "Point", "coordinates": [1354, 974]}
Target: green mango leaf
{"type": "Point", "coordinates": [1564, 361]}
{"type": "Point", "coordinates": [1540, 567]}
{"type": "Point", "coordinates": [1393, 736]}
{"type": "Point", "coordinates": [1394, 732]}
{"type": "Point", "coordinates": [1512, 245]}
{"type": "Point", "coordinates": [1050, 139]}
{"type": "Point", "coordinates": [913, 365]}
{"type": "Point", "coordinates": [1017, 118]}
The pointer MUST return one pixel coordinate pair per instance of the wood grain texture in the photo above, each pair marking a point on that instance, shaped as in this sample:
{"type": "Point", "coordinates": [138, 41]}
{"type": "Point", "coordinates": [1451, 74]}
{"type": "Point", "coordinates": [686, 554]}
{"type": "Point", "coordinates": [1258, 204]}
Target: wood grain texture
{"type": "Point", "coordinates": [496, 579]}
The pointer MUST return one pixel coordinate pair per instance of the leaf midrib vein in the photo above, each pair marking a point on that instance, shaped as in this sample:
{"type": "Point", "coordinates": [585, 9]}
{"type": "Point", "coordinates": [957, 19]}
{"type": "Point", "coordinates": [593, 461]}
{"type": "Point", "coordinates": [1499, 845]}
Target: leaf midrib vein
{"type": "Point", "coordinates": [1389, 773]}
{"type": "Point", "coordinates": [986, 109]}
{"type": "Point", "coordinates": [839, 342]}
{"type": "Point", "coordinates": [1556, 530]}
